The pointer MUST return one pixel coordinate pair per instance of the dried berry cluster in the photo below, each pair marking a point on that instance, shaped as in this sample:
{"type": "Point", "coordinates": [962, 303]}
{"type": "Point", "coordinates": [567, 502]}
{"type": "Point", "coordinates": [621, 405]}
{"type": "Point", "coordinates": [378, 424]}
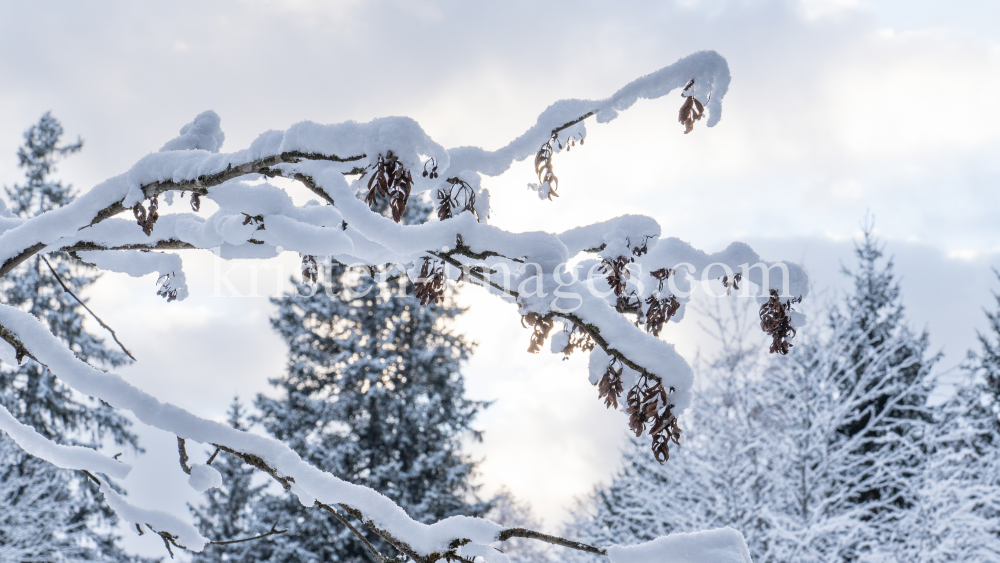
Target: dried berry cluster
{"type": "Point", "coordinates": [390, 180]}
{"type": "Point", "coordinates": [774, 321]}
{"type": "Point", "coordinates": [429, 287]}
{"type": "Point", "coordinates": [310, 269]}
{"type": "Point", "coordinates": [579, 339]}
{"type": "Point", "coordinates": [144, 219]}
{"type": "Point", "coordinates": [458, 197]}
{"type": "Point", "coordinates": [691, 111]}
{"type": "Point", "coordinates": [647, 404]}
{"type": "Point", "coordinates": [542, 325]}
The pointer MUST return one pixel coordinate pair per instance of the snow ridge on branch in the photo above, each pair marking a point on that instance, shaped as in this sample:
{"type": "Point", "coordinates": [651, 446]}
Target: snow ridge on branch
{"type": "Point", "coordinates": [599, 299]}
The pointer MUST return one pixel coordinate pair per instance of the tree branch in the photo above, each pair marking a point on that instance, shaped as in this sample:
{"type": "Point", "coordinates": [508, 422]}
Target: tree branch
{"type": "Point", "coordinates": [183, 454]}
{"type": "Point", "coordinates": [199, 185]}
{"type": "Point", "coordinates": [171, 244]}
{"type": "Point", "coordinates": [274, 531]}
{"type": "Point", "coordinates": [93, 314]}
{"type": "Point", "coordinates": [530, 534]}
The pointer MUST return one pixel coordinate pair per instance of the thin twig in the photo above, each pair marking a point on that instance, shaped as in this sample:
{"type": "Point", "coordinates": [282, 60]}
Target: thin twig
{"type": "Point", "coordinates": [212, 458]}
{"type": "Point", "coordinates": [274, 531]}
{"type": "Point", "coordinates": [91, 475]}
{"type": "Point", "coordinates": [531, 534]}
{"type": "Point", "coordinates": [183, 454]}
{"type": "Point", "coordinates": [84, 305]}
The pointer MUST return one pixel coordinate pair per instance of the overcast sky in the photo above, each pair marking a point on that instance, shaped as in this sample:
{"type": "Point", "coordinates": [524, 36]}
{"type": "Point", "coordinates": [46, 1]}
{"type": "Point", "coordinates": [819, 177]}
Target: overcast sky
{"type": "Point", "coordinates": [836, 109]}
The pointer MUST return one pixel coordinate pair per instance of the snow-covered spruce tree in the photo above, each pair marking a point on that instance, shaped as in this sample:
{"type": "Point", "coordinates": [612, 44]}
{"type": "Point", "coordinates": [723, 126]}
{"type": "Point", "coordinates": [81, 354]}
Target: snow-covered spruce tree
{"type": "Point", "coordinates": [613, 305]}
{"type": "Point", "coordinates": [719, 475]}
{"type": "Point", "coordinates": [37, 511]}
{"type": "Point", "coordinates": [851, 405]}
{"type": "Point", "coordinates": [873, 320]}
{"type": "Point", "coordinates": [374, 395]}
{"type": "Point", "coordinates": [31, 392]}
{"type": "Point", "coordinates": [815, 456]}
{"type": "Point", "coordinates": [957, 514]}
{"type": "Point", "coordinates": [984, 364]}
{"type": "Point", "coordinates": [228, 509]}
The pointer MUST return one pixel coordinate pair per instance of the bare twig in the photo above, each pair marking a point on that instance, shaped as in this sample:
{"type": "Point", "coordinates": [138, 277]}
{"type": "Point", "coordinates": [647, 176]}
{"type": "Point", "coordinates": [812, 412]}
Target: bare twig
{"type": "Point", "coordinates": [92, 313]}
{"type": "Point", "coordinates": [182, 452]}
{"type": "Point", "coordinates": [531, 534]}
{"type": "Point", "coordinates": [212, 457]}
{"type": "Point", "coordinates": [91, 475]}
{"type": "Point", "coordinates": [274, 531]}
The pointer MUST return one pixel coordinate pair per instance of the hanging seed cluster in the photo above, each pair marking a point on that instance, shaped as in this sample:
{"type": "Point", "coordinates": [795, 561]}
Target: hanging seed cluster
{"type": "Point", "coordinates": [390, 180]}
{"type": "Point", "coordinates": [647, 405]}
{"type": "Point", "coordinates": [579, 339]}
{"type": "Point", "coordinates": [429, 287]}
{"type": "Point", "coordinates": [458, 198]}
{"type": "Point", "coordinates": [616, 269]}
{"type": "Point", "coordinates": [541, 326]}
{"type": "Point", "coordinates": [144, 219]}
{"type": "Point", "coordinates": [776, 323]}
{"type": "Point", "coordinates": [610, 386]}
{"type": "Point", "coordinates": [433, 172]}
{"type": "Point", "coordinates": [691, 111]}
{"type": "Point", "coordinates": [165, 290]}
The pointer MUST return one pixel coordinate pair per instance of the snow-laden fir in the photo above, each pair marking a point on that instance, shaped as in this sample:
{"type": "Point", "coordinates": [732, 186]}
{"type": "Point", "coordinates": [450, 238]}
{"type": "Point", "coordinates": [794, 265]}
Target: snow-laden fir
{"type": "Point", "coordinates": [49, 513]}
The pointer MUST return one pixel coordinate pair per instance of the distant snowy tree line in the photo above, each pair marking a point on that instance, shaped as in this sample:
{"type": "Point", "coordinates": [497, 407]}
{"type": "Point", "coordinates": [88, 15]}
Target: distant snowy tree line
{"type": "Point", "coordinates": [836, 452]}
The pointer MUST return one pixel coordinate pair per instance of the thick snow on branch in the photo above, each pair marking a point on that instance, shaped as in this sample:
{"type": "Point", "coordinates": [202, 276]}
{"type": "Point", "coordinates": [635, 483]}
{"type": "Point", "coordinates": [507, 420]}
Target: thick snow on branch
{"type": "Point", "coordinates": [724, 545]}
{"type": "Point", "coordinates": [602, 282]}
{"type": "Point", "coordinates": [66, 457]}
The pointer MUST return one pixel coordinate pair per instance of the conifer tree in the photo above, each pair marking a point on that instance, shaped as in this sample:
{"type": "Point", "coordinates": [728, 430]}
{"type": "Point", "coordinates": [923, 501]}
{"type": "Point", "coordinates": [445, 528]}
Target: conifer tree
{"type": "Point", "coordinates": [33, 394]}
{"type": "Point", "coordinates": [984, 364]}
{"type": "Point", "coordinates": [373, 393]}
{"type": "Point", "coordinates": [872, 321]}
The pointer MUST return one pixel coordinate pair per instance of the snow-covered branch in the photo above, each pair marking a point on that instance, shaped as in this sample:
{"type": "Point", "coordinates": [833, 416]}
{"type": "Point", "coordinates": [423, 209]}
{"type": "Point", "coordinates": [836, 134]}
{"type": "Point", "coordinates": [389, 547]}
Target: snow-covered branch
{"type": "Point", "coordinates": [612, 284]}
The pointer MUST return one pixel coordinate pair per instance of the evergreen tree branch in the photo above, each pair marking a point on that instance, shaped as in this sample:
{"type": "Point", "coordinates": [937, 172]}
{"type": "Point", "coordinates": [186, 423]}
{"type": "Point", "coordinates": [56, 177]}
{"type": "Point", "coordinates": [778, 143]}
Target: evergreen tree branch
{"type": "Point", "coordinates": [92, 313]}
